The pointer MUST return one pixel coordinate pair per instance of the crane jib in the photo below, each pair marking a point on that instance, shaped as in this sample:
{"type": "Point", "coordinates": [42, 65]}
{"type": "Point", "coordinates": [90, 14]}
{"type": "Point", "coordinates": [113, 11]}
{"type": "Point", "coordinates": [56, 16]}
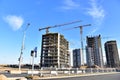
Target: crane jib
{"type": "Point", "coordinates": [47, 28]}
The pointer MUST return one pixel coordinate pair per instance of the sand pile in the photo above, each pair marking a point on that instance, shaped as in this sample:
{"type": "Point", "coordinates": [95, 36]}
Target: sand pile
{"type": "Point", "coordinates": [3, 77]}
{"type": "Point", "coordinates": [36, 77]}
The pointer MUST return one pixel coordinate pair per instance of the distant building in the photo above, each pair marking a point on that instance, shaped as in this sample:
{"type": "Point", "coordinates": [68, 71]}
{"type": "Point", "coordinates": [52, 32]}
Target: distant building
{"type": "Point", "coordinates": [76, 58]}
{"type": "Point", "coordinates": [89, 56]}
{"type": "Point", "coordinates": [112, 56]}
{"type": "Point", "coordinates": [94, 54]}
{"type": "Point", "coordinates": [54, 51]}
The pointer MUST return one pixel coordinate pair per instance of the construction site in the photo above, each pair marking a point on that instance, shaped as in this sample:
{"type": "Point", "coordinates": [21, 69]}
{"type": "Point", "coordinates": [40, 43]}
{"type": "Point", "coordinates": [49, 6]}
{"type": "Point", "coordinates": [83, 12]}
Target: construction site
{"type": "Point", "coordinates": [55, 48]}
{"type": "Point", "coordinates": [55, 58]}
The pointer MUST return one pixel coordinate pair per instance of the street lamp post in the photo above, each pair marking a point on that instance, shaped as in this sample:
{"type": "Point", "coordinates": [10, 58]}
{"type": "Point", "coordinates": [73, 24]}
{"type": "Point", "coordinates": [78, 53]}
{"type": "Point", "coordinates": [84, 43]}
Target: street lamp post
{"type": "Point", "coordinates": [33, 54]}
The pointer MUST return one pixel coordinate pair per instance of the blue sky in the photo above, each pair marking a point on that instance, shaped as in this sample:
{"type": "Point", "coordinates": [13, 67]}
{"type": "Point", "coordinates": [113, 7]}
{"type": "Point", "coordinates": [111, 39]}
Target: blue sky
{"type": "Point", "coordinates": [15, 14]}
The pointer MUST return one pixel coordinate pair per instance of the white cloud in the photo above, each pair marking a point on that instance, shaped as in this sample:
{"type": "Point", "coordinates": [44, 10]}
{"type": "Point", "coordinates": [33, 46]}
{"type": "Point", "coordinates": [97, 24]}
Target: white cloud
{"type": "Point", "coordinates": [70, 4]}
{"type": "Point", "coordinates": [94, 30]}
{"type": "Point", "coordinates": [14, 21]}
{"type": "Point", "coordinates": [97, 12]}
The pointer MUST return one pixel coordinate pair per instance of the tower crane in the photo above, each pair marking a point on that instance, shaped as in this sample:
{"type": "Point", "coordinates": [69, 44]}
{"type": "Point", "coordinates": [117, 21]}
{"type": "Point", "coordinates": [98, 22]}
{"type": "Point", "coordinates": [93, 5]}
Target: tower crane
{"type": "Point", "coordinates": [47, 28]}
{"type": "Point", "coordinates": [22, 47]}
{"type": "Point", "coordinates": [81, 34]}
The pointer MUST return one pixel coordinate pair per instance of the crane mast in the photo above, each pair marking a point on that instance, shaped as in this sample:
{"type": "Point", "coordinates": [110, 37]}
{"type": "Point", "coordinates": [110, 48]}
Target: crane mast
{"type": "Point", "coordinates": [81, 38]}
{"type": "Point", "coordinates": [22, 47]}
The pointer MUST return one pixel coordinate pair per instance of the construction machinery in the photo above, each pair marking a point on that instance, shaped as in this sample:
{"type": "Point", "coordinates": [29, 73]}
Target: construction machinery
{"type": "Point", "coordinates": [82, 47]}
{"type": "Point", "coordinates": [22, 47]}
{"type": "Point", "coordinates": [47, 28]}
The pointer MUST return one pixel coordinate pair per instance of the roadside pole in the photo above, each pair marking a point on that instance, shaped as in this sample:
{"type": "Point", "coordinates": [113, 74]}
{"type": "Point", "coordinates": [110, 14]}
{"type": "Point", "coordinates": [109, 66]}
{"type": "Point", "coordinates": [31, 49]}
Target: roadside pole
{"type": "Point", "coordinates": [33, 63]}
{"type": "Point", "coordinates": [33, 54]}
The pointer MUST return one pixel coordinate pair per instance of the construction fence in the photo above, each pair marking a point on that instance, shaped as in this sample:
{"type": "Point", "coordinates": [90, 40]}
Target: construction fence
{"type": "Point", "coordinates": [70, 71]}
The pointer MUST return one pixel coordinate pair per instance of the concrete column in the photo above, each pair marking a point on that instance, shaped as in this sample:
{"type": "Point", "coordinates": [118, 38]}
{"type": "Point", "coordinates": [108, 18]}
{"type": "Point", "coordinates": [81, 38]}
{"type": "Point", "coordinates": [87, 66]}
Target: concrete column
{"type": "Point", "coordinates": [58, 50]}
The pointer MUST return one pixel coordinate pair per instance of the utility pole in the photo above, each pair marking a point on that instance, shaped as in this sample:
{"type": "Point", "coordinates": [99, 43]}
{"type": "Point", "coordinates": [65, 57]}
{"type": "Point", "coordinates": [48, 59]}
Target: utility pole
{"type": "Point", "coordinates": [33, 54]}
{"type": "Point", "coordinates": [22, 47]}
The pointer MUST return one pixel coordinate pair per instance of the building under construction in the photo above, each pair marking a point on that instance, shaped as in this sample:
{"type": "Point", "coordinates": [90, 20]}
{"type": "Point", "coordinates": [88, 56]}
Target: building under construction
{"type": "Point", "coordinates": [54, 51]}
{"type": "Point", "coordinates": [76, 58]}
{"type": "Point", "coordinates": [112, 56]}
{"type": "Point", "coordinates": [94, 54]}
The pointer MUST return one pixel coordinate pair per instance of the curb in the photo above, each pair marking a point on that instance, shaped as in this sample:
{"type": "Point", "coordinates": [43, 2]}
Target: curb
{"type": "Point", "coordinates": [77, 75]}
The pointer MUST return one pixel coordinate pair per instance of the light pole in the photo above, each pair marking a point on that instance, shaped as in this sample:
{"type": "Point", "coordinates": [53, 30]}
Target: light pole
{"type": "Point", "coordinates": [22, 47]}
{"type": "Point", "coordinates": [33, 54]}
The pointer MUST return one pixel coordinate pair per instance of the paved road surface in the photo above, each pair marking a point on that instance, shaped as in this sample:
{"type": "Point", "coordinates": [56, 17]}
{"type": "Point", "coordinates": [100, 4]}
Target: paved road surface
{"type": "Point", "coordinates": [95, 77]}
{"type": "Point", "coordinates": [16, 75]}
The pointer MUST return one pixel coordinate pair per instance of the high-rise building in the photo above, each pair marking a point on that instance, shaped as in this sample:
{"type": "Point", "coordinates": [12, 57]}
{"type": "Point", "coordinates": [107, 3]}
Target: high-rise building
{"type": "Point", "coordinates": [94, 54]}
{"type": "Point", "coordinates": [112, 56]}
{"type": "Point", "coordinates": [89, 56]}
{"type": "Point", "coordinates": [76, 58]}
{"type": "Point", "coordinates": [54, 51]}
